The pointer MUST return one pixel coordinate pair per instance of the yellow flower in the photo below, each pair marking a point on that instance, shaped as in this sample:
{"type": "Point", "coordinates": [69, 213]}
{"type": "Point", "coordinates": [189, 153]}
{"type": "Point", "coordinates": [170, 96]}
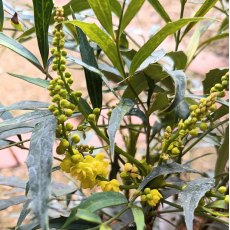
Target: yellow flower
{"type": "Point", "coordinates": [112, 185]}
{"type": "Point", "coordinates": [87, 170]}
{"type": "Point", "coordinates": [66, 164]}
{"type": "Point", "coordinates": [84, 173]}
{"type": "Point", "coordinates": [155, 197]}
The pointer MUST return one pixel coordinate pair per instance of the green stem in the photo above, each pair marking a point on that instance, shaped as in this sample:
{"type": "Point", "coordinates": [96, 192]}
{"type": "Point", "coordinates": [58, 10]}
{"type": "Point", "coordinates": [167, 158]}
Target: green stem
{"type": "Point", "coordinates": [113, 218]}
{"type": "Point", "coordinates": [178, 33]}
{"type": "Point", "coordinates": [17, 144]}
{"type": "Point", "coordinates": [117, 40]}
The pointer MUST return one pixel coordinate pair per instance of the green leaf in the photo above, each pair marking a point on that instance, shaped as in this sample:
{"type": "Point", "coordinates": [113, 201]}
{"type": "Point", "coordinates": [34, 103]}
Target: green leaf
{"type": "Point", "coordinates": [190, 197]}
{"type": "Point", "coordinates": [117, 116]}
{"type": "Point", "coordinates": [93, 80]}
{"type": "Point", "coordinates": [179, 79]}
{"type": "Point", "coordinates": [24, 212]}
{"type": "Point", "coordinates": [104, 227]}
{"type": "Point", "coordinates": [39, 163]}
{"type": "Point", "coordinates": [101, 200]}
{"type": "Point", "coordinates": [36, 81]}
{"type": "Point", "coordinates": [96, 202]}
{"type": "Point", "coordinates": [132, 9]}
{"type": "Point", "coordinates": [13, 132]}
{"type": "Point", "coordinates": [103, 12]}
{"type": "Point", "coordinates": [1, 15]}
{"type": "Point", "coordinates": [25, 35]}
{"type": "Point", "coordinates": [116, 7]}
{"type": "Point", "coordinates": [42, 15]}
{"type": "Point", "coordinates": [220, 204]}
{"type": "Point", "coordinates": [6, 203]}
{"type": "Point", "coordinates": [212, 39]}
{"type": "Point", "coordinates": [97, 71]}
{"type": "Point", "coordinates": [170, 168]}
{"type": "Point", "coordinates": [27, 117]}
{"type": "Point", "coordinates": [19, 49]}
{"type": "Point", "coordinates": [160, 102]}
{"type": "Point", "coordinates": [139, 217]}
{"type": "Point", "coordinates": [160, 10]}
{"type": "Point", "coordinates": [193, 44]}
{"type": "Point", "coordinates": [211, 78]}
{"type": "Point", "coordinates": [101, 38]}
{"type": "Point", "coordinates": [5, 115]}
{"type": "Point", "coordinates": [223, 154]}
{"type": "Point", "coordinates": [12, 181]}
{"type": "Point", "coordinates": [85, 214]}
{"type": "Point", "coordinates": [179, 58]}
{"type": "Point", "coordinates": [57, 223]}
{"type": "Point", "coordinates": [146, 50]}
{"type": "Point", "coordinates": [139, 80]}
{"type": "Point", "coordinates": [25, 105]}
{"type": "Point", "coordinates": [205, 7]}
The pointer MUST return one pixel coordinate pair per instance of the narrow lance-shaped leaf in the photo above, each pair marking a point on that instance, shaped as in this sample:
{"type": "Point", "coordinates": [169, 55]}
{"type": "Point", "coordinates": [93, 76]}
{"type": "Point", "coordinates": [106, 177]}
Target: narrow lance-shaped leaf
{"type": "Point", "coordinates": [42, 15]}
{"type": "Point", "coordinates": [160, 10]}
{"type": "Point", "coordinates": [156, 40]}
{"type": "Point", "coordinates": [39, 163]}
{"type": "Point", "coordinates": [223, 154]}
{"type": "Point", "coordinates": [205, 7]}
{"type": "Point", "coordinates": [190, 197]}
{"type": "Point", "coordinates": [6, 203]}
{"type": "Point", "coordinates": [115, 7]}
{"type": "Point", "coordinates": [19, 49]}
{"type": "Point", "coordinates": [193, 44]}
{"type": "Point", "coordinates": [179, 80]}
{"type": "Point", "coordinates": [24, 105]}
{"type": "Point", "coordinates": [102, 39]}
{"type": "Point", "coordinates": [138, 217]}
{"type": "Point", "coordinates": [103, 12]}
{"type": "Point", "coordinates": [132, 9]}
{"type": "Point", "coordinates": [93, 80]}
{"type": "Point", "coordinates": [1, 15]}
{"type": "Point", "coordinates": [36, 81]}
{"type": "Point", "coordinates": [115, 120]}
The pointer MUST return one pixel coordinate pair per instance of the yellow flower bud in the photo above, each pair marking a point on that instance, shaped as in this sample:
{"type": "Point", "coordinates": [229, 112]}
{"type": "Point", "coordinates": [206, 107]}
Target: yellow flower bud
{"type": "Point", "coordinates": [75, 138]}
{"type": "Point", "coordinates": [222, 189]}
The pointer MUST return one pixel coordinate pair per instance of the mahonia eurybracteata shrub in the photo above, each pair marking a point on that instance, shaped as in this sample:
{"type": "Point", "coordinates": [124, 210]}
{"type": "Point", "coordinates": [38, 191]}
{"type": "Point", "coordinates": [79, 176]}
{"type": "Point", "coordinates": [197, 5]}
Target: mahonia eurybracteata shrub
{"type": "Point", "coordinates": [93, 169]}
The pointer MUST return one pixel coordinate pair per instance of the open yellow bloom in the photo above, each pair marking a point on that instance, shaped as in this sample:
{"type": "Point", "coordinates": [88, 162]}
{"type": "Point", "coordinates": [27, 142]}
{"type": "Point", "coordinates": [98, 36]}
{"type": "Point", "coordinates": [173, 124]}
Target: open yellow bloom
{"type": "Point", "coordinates": [112, 185]}
{"type": "Point", "coordinates": [88, 169]}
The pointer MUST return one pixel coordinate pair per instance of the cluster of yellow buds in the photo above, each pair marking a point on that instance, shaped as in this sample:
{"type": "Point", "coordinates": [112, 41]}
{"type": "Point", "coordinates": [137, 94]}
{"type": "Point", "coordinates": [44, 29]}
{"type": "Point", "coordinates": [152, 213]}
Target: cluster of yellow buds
{"type": "Point", "coordinates": [130, 171]}
{"type": "Point", "coordinates": [220, 87]}
{"type": "Point", "coordinates": [196, 122]}
{"type": "Point", "coordinates": [85, 168]}
{"type": "Point", "coordinates": [152, 197]}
